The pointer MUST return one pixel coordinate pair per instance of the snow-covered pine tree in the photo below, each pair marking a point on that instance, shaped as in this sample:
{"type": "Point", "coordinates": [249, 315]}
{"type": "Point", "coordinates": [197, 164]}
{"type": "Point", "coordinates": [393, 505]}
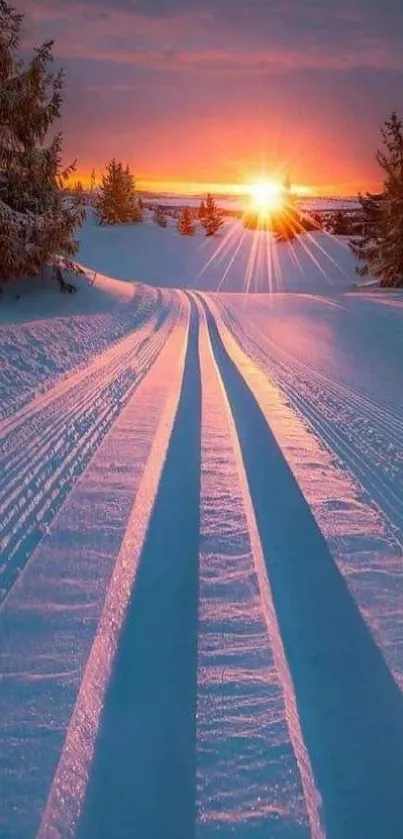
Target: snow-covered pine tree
{"type": "Point", "coordinates": [186, 225]}
{"type": "Point", "coordinates": [212, 220]}
{"type": "Point", "coordinates": [93, 187]}
{"type": "Point", "coordinates": [380, 248]}
{"type": "Point", "coordinates": [201, 213]}
{"type": "Point", "coordinates": [37, 216]}
{"type": "Point", "coordinates": [134, 204]}
{"type": "Point", "coordinates": [110, 204]}
{"type": "Point", "coordinates": [117, 202]}
{"type": "Point", "coordinates": [159, 216]}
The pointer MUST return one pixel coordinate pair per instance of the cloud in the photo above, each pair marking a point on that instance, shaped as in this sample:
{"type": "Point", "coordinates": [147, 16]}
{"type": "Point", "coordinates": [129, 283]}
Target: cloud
{"type": "Point", "coordinates": [181, 86]}
{"type": "Point", "coordinates": [268, 37]}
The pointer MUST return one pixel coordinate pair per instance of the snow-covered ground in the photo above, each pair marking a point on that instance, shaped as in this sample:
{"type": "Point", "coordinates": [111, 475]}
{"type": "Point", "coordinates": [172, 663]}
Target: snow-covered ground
{"type": "Point", "coordinates": [235, 260]}
{"type": "Point", "coordinates": [201, 531]}
{"type": "Point", "coordinates": [238, 203]}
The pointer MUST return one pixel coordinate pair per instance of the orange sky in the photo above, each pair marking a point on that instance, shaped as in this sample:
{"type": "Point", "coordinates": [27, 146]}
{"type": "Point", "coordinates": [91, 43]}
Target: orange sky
{"type": "Point", "coordinates": [222, 154]}
{"type": "Point", "coordinates": [218, 93]}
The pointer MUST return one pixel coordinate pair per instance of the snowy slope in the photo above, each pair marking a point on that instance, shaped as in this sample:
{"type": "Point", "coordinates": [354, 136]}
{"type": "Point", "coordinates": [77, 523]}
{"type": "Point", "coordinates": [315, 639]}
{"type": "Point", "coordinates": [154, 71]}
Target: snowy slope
{"type": "Point", "coordinates": [47, 336]}
{"type": "Point", "coordinates": [201, 531]}
{"type": "Point", "coordinates": [235, 260]}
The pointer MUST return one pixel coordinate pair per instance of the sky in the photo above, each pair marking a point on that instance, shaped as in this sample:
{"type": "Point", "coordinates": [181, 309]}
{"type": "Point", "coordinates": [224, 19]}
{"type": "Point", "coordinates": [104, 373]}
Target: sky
{"type": "Point", "coordinates": [222, 92]}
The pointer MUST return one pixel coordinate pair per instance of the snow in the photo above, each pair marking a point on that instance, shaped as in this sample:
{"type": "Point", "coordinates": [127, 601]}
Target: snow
{"type": "Point", "coordinates": [245, 689]}
{"type": "Point", "coordinates": [59, 606]}
{"type": "Point", "coordinates": [238, 203]}
{"type": "Point", "coordinates": [349, 705]}
{"type": "Point", "coordinates": [26, 300]}
{"type": "Point", "coordinates": [45, 337]}
{"type": "Point", "coordinates": [201, 538]}
{"type": "Point", "coordinates": [235, 260]}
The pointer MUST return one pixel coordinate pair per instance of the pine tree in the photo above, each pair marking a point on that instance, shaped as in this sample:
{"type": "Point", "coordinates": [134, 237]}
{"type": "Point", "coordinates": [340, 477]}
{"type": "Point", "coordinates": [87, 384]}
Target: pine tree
{"type": "Point", "coordinates": [380, 248]}
{"type": "Point", "coordinates": [159, 216]}
{"type": "Point", "coordinates": [117, 202]}
{"type": "Point", "coordinates": [37, 216]}
{"type": "Point", "coordinates": [93, 186]}
{"type": "Point", "coordinates": [186, 225]}
{"type": "Point", "coordinates": [213, 219]}
{"type": "Point", "coordinates": [134, 204]}
{"type": "Point", "coordinates": [201, 213]}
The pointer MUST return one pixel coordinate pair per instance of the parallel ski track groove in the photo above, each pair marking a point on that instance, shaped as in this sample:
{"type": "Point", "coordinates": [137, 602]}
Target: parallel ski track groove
{"type": "Point", "coordinates": [349, 704]}
{"type": "Point", "coordinates": [376, 482]}
{"type": "Point", "coordinates": [143, 774]}
{"type": "Point", "coordinates": [25, 513]}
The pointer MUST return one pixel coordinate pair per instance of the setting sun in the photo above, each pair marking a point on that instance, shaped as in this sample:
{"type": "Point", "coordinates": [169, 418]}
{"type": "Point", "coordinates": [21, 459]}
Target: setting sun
{"type": "Point", "coordinates": [266, 196]}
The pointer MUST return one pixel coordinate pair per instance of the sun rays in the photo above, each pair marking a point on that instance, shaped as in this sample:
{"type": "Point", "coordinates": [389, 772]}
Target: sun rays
{"type": "Point", "coordinates": [264, 261]}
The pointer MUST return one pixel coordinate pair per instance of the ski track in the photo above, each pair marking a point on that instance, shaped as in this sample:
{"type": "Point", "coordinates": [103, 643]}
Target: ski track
{"type": "Point", "coordinates": [366, 546]}
{"type": "Point", "coordinates": [247, 770]}
{"type": "Point", "coordinates": [48, 444]}
{"type": "Point", "coordinates": [366, 435]}
{"type": "Point", "coordinates": [350, 708]}
{"type": "Point", "coordinates": [143, 771]}
{"type": "Point", "coordinates": [34, 355]}
{"type": "Point", "coordinates": [60, 624]}
{"type": "Point", "coordinates": [185, 647]}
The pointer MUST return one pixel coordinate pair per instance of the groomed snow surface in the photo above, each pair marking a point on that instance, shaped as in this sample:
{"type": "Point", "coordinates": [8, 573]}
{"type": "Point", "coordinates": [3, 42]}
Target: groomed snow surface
{"type": "Point", "coordinates": [201, 529]}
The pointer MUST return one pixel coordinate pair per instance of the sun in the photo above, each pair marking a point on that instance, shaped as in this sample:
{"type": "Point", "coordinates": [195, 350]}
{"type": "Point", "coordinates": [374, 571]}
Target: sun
{"type": "Point", "coordinates": [266, 196]}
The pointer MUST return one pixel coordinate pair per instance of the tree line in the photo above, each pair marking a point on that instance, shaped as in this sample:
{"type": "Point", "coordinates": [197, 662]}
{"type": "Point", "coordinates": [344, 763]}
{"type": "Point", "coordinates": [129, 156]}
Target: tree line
{"type": "Point", "coordinates": [117, 202]}
{"type": "Point", "coordinates": [39, 214]}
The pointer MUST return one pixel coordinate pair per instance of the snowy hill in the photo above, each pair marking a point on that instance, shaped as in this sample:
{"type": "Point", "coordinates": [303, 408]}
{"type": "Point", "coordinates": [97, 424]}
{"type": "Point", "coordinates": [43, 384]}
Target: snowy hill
{"type": "Point", "coordinates": [235, 260]}
{"type": "Point", "coordinates": [201, 530]}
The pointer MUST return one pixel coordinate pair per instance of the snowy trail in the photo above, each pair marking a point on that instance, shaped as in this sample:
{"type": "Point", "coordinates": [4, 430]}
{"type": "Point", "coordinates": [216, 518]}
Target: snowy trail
{"type": "Point", "coordinates": [351, 709]}
{"type": "Point", "coordinates": [365, 433]}
{"type": "Point", "coordinates": [202, 597]}
{"type": "Point", "coordinates": [143, 772]}
{"type": "Point", "coordinates": [36, 354]}
{"type": "Point", "coordinates": [60, 623]}
{"type": "Point", "coordinates": [47, 445]}
{"type": "Point", "coordinates": [251, 754]}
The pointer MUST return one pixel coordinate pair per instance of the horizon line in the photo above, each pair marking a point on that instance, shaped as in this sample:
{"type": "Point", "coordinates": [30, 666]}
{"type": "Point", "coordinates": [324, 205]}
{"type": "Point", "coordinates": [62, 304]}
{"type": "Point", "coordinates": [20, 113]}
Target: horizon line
{"type": "Point", "coordinates": [192, 188]}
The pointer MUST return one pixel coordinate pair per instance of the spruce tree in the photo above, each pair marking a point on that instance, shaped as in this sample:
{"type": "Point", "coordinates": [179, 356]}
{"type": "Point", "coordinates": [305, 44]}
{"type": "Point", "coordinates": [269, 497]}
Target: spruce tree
{"type": "Point", "coordinates": [212, 220]}
{"type": "Point", "coordinates": [380, 248]}
{"type": "Point", "coordinates": [186, 225]}
{"type": "Point", "coordinates": [37, 215]}
{"type": "Point", "coordinates": [201, 213]}
{"type": "Point", "coordinates": [93, 186]}
{"type": "Point", "coordinates": [134, 204]}
{"type": "Point", "coordinates": [117, 202]}
{"type": "Point", "coordinates": [159, 216]}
